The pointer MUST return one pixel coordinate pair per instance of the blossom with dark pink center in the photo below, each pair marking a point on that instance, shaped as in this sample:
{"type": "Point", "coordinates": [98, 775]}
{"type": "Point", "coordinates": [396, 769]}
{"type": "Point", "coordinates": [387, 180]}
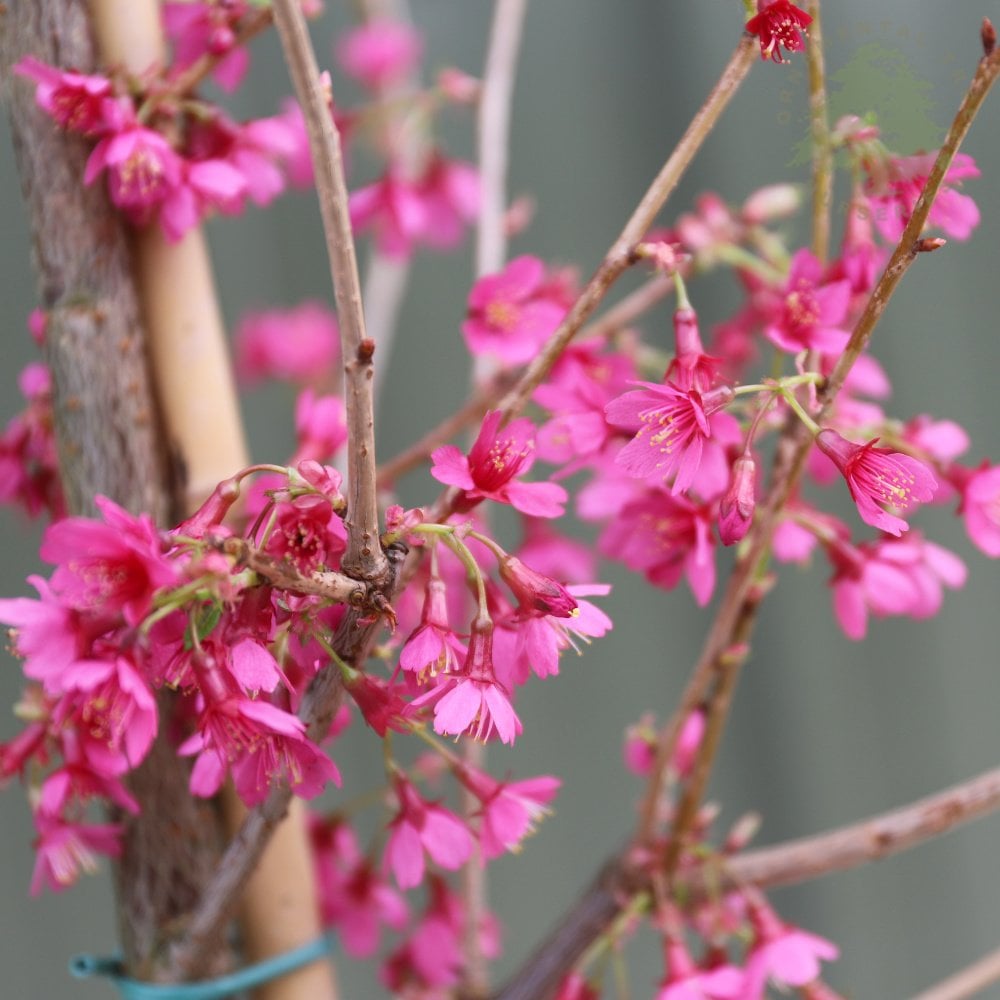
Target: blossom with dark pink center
{"type": "Point", "coordinates": [672, 427]}
{"type": "Point", "coordinates": [421, 826]}
{"type": "Point", "coordinates": [778, 24]}
{"type": "Point", "coordinates": [493, 462]}
{"type": "Point", "coordinates": [380, 52]}
{"type": "Point", "coordinates": [296, 345]}
{"type": "Point", "coordinates": [894, 184]}
{"type": "Point", "coordinates": [143, 170]}
{"type": "Point", "coordinates": [76, 101]}
{"type": "Point", "coordinates": [879, 478]}
{"type": "Point", "coordinates": [509, 810]}
{"type": "Point", "coordinates": [806, 314]}
{"type": "Point", "coordinates": [472, 700]}
{"type": "Point", "coordinates": [509, 314]}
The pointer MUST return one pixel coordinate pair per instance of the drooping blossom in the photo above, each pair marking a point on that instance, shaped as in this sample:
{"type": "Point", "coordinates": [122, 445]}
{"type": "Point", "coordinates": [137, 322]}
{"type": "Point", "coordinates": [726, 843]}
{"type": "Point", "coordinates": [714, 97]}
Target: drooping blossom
{"type": "Point", "coordinates": [77, 102]}
{"type": "Point", "coordinates": [509, 810]}
{"type": "Point", "coordinates": [64, 848]}
{"type": "Point", "coordinates": [981, 508]}
{"type": "Point", "coordinates": [879, 478]}
{"type": "Point", "coordinates": [536, 593]}
{"type": "Point", "coordinates": [493, 463]}
{"type": "Point", "coordinates": [738, 502]}
{"type": "Point", "coordinates": [894, 184]}
{"type": "Point", "coordinates": [691, 367]}
{"type": "Point", "coordinates": [433, 646]}
{"type": "Point", "coordinates": [472, 700]}
{"type": "Point", "coordinates": [672, 427]}
{"type": "Point", "coordinates": [418, 827]}
{"type": "Point", "coordinates": [299, 345]}
{"type": "Point", "coordinates": [890, 577]}
{"type": "Point", "coordinates": [778, 24]}
{"type": "Point", "coordinates": [684, 980]}
{"type": "Point", "coordinates": [380, 52]}
{"type": "Point", "coordinates": [808, 312]}
{"type": "Point", "coordinates": [785, 955]}
{"type": "Point", "coordinates": [509, 314]}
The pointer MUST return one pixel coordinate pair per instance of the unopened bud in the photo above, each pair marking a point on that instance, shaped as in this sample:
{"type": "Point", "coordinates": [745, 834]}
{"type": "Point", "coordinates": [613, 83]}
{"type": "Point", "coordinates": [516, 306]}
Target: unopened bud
{"type": "Point", "coordinates": [776, 201]}
{"type": "Point", "coordinates": [737, 505]}
{"type": "Point", "coordinates": [989, 36]}
{"type": "Point", "coordinates": [929, 244]}
{"type": "Point", "coordinates": [457, 86]}
{"type": "Point", "coordinates": [535, 591]}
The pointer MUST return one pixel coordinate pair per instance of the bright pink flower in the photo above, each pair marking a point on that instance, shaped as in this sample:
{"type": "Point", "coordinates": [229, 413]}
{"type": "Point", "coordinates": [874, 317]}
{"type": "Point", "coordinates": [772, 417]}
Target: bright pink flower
{"type": "Point", "coordinates": [738, 503]}
{"type": "Point", "coordinates": [113, 565]}
{"type": "Point", "coordinates": [433, 209]}
{"type": "Point", "coordinates": [197, 29]}
{"type": "Point", "coordinates": [143, 170]}
{"type": "Point", "coordinates": [308, 532]}
{"type": "Point", "coordinates": [691, 367]}
{"type": "Point", "coordinates": [432, 647]}
{"type": "Point", "coordinates": [673, 427]}
{"type": "Point", "coordinates": [808, 312]}
{"type": "Point", "coordinates": [493, 462]}
{"type": "Point", "coordinates": [509, 810]}
{"type": "Point", "coordinates": [894, 184]}
{"type": "Point", "coordinates": [509, 315]}
{"type": "Point", "coordinates": [778, 24]}
{"type": "Point", "coordinates": [686, 981]}
{"type": "Point", "coordinates": [665, 537]}
{"type": "Point", "coordinates": [781, 953]}
{"type": "Point", "coordinates": [473, 701]}
{"type": "Point", "coordinates": [297, 345]}
{"type": "Point", "coordinates": [379, 701]}
{"type": "Point", "coordinates": [536, 593]}
{"type": "Point", "coordinates": [205, 185]}
{"type": "Point", "coordinates": [64, 848]}
{"type": "Point", "coordinates": [421, 826]}
{"type": "Point", "coordinates": [353, 895]}
{"type": "Point", "coordinates": [905, 576]}
{"type": "Point", "coordinates": [77, 102]}
{"type": "Point", "coordinates": [380, 52]}
{"type": "Point", "coordinates": [981, 508]}
{"type": "Point", "coordinates": [878, 478]}
{"type": "Point", "coordinates": [320, 425]}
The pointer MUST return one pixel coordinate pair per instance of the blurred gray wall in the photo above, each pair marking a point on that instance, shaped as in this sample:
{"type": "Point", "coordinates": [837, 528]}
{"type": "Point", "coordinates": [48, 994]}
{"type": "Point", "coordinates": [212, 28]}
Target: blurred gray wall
{"type": "Point", "coordinates": [824, 730]}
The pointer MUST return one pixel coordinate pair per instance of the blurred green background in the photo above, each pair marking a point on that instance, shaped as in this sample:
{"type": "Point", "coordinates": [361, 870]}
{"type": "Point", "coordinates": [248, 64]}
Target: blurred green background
{"type": "Point", "coordinates": [824, 730]}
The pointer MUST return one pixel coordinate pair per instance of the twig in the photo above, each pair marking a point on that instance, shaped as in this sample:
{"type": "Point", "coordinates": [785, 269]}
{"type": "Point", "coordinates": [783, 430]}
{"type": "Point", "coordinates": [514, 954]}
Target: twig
{"type": "Point", "coordinates": [793, 861]}
{"type": "Point", "coordinates": [364, 556]}
{"type": "Point", "coordinates": [795, 447]}
{"type": "Point", "coordinates": [822, 154]}
{"type": "Point", "coordinates": [966, 982]}
{"type": "Point", "coordinates": [619, 256]}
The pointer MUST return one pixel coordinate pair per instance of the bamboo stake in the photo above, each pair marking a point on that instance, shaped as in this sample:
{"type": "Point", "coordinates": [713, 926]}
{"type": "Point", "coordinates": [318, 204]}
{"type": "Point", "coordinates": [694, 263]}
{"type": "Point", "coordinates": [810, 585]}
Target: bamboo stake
{"type": "Point", "coordinates": [195, 383]}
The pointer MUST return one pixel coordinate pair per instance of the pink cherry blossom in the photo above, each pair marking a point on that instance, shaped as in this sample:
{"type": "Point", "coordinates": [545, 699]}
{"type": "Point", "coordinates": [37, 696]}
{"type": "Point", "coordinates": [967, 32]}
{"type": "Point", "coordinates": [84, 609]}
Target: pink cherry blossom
{"type": "Point", "coordinates": [495, 460]}
{"type": "Point", "coordinates": [808, 313]}
{"type": "Point", "coordinates": [421, 826]}
{"type": "Point", "coordinates": [472, 700]}
{"type": "Point", "coordinates": [197, 29]}
{"type": "Point", "coordinates": [778, 24]}
{"type": "Point", "coordinates": [320, 426]}
{"type": "Point", "coordinates": [432, 647]}
{"type": "Point", "coordinates": [672, 428]}
{"type": "Point", "coordinates": [65, 848]}
{"type": "Point", "coordinates": [686, 981]}
{"type": "Point", "coordinates": [380, 52]}
{"type": "Point", "coordinates": [76, 101]}
{"type": "Point", "coordinates": [738, 503]}
{"type": "Point", "coordinates": [981, 508]}
{"type": "Point", "coordinates": [299, 345]}
{"type": "Point", "coordinates": [509, 809]}
{"type": "Point", "coordinates": [691, 367]}
{"type": "Point", "coordinates": [509, 315]}
{"type": "Point", "coordinates": [536, 593]}
{"type": "Point", "coordinates": [879, 478]}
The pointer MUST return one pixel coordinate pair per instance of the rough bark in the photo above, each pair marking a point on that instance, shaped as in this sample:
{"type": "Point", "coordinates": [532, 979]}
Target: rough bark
{"type": "Point", "coordinates": [107, 430]}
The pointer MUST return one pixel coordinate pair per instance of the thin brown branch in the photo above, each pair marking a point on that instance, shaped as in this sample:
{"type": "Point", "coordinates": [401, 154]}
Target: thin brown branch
{"type": "Point", "coordinates": [822, 154]}
{"type": "Point", "coordinates": [364, 556]}
{"type": "Point", "coordinates": [966, 982]}
{"type": "Point", "coordinates": [619, 256]}
{"type": "Point", "coordinates": [795, 446]}
{"type": "Point", "coordinates": [787, 863]}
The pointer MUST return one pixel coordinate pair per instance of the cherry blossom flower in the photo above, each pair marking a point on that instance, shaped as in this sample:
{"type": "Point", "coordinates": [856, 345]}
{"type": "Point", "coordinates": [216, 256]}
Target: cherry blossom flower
{"type": "Point", "coordinates": [63, 848]}
{"type": "Point", "coordinates": [493, 462]}
{"type": "Point", "coordinates": [778, 24]}
{"type": "Point", "coordinates": [691, 367]}
{"type": "Point", "coordinates": [878, 478]}
{"type": "Point", "coordinates": [981, 508]}
{"type": "Point", "coordinates": [509, 809]}
{"type": "Point", "coordinates": [509, 314]}
{"type": "Point", "coordinates": [686, 981]}
{"type": "Point", "coordinates": [432, 646]}
{"type": "Point", "coordinates": [781, 953]}
{"type": "Point", "coordinates": [808, 312]}
{"type": "Point", "coordinates": [672, 428]}
{"type": "Point", "coordinates": [197, 29]}
{"type": "Point", "coordinates": [472, 700]}
{"type": "Point", "coordinates": [421, 826]}
{"type": "Point", "coordinates": [536, 593]}
{"type": "Point", "coordinates": [77, 102]}
{"type": "Point", "coordinates": [297, 345]}
{"type": "Point", "coordinates": [380, 52]}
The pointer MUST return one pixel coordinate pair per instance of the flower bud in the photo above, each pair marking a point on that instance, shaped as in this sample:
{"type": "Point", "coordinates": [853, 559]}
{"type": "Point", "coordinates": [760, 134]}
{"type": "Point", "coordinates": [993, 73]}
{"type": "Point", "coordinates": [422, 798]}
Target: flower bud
{"type": "Point", "coordinates": [737, 505]}
{"type": "Point", "coordinates": [534, 591]}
